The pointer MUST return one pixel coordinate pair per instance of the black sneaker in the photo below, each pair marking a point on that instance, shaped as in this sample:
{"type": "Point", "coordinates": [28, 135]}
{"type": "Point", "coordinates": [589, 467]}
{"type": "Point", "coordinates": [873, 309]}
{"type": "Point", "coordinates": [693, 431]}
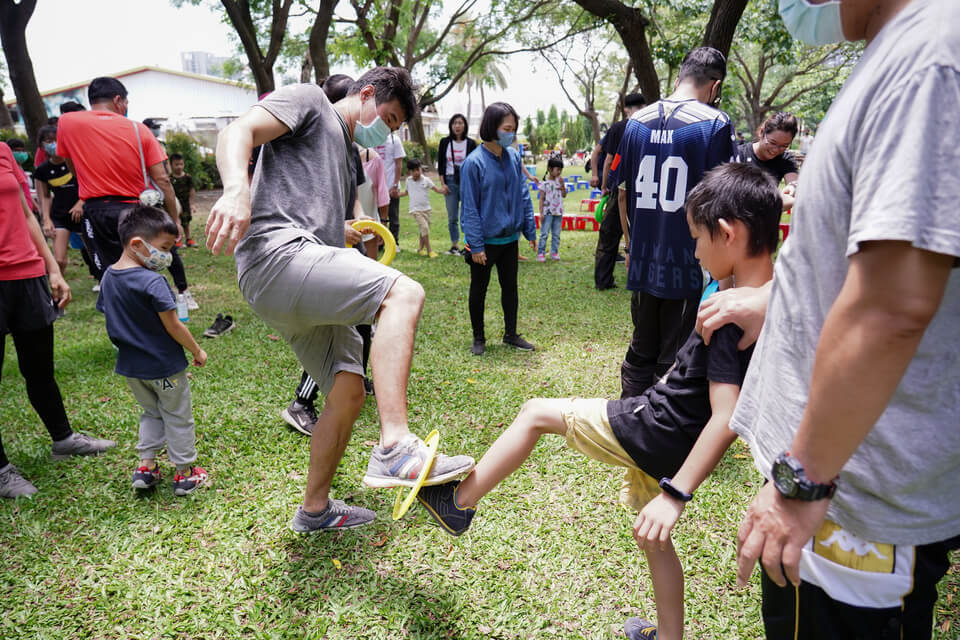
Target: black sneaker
{"type": "Point", "coordinates": [478, 347]}
{"type": "Point", "coordinates": [439, 502]}
{"type": "Point", "coordinates": [223, 324]}
{"type": "Point", "coordinates": [301, 417]}
{"type": "Point", "coordinates": [453, 251]}
{"type": "Point", "coordinates": [185, 485]}
{"type": "Point", "coordinates": [621, 258]}
{"type": "Point", "coordinates": [640, 629]}
{"type": "Point", "coordinates": [368, 386]}
{"type": "Point", "coordinates": [146, 478]}
{"type": "Point", "coordinates": [517, 342]}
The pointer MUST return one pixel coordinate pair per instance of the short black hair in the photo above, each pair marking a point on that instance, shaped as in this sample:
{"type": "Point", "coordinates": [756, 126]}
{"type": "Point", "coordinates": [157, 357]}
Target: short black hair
{"type": "Point", "coordinates": [15, 143]}
{"type": "Point", "coordinates": [146, 222]}
{"type": "Point", "coordinates": [46, 131]}
{"type": "Point", "coordinates": [780, 121]}
{"type": "Point", "coordinates": [634, 100]}
{"type": "Point", "coordinates": [152, 123]}
{"type": "Point", "coordinates": [466, 125]}
{"type": "Point", "coordinates": [390, 83]}
{"type": "Point", "coordinates": [413, 163]}
{"type": "Point", "coordinates": [70, 106]}
{"type": "Point", "coordinates": [337, 87]}
{"type": "Point", "coordinates": [176, 156]}
{"type": "Point", "coordinates": [53, 120]}
{"type": "Point", "coordinates": [703, 65]}
{"type": "Point", "coordinates": [104, 89]}
{"type": "Point", "coordinates": [739, 191]}
{"type": "Point", "coordinates": [493, 115]}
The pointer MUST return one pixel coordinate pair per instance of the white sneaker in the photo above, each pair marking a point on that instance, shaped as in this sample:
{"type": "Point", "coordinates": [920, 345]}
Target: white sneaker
{"type": "Point", "coordinates": [96, 288]}
{"type": "Point", "coordinates": [191, 303]}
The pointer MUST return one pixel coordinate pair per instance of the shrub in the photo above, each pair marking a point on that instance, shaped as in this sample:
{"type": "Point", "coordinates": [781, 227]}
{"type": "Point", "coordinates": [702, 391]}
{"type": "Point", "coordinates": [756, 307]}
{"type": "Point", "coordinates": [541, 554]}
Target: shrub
{"type": "Point", "coordinates": [202, 168]}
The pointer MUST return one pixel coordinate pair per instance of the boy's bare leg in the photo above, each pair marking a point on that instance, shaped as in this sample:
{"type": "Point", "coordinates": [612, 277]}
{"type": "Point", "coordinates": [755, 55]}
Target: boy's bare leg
{"type": "Point", "coordinates": [666, 573]}
{"type": "Point", "coordinates": [537, 417]}
{"type": "Point", "coordinates": [390, 354]}
{"type": "Point", "coordinates": [331, 435]}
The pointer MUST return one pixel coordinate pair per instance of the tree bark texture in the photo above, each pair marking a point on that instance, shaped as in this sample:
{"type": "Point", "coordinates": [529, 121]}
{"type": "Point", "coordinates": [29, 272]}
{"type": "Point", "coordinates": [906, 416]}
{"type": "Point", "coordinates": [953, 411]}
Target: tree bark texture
{"type": "Point", "coordinates": [319, 33]}
{"type": "Point", "coordinates": [724, 18]}
{"type": "Point", "coordinates": [261, 65]}
{"type": "Point", "coordinates": [13, 25]}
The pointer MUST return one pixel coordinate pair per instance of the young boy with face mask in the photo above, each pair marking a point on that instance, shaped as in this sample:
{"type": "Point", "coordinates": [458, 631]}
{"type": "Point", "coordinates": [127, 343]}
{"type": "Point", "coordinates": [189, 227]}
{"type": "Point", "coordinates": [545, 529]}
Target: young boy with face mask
{"type": "Point", "coordinates": [142, 323]}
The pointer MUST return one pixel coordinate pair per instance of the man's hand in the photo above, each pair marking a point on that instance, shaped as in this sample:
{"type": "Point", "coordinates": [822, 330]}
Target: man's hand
{"type": "Point", "coordinates": [60, 290]}
{"type": "Point", "coordinates": [76, 211]}
{"type": "Point", "coordinates": [594, 181]}
{"type": "Point", "coordinates": [351, 235]}
{"type": "Point", "coordinates": [653, 525]}
{"type": "Point", "coordinates": [533, 244]}
{"type": "Point", "coordinates": [394, 192]}
{"type": "Point", "coordinates": [446, 190]}
{"type": "Point", "coordinates": [228, 221]}
{"type": "Point", "coordinates": [479, 257]}
{"type": "Point", "coordinates": [745, 307]}
{"type": "Point", "coordinates": [200, 358]}
{"type": "Point", "coordinates": [775, 530]}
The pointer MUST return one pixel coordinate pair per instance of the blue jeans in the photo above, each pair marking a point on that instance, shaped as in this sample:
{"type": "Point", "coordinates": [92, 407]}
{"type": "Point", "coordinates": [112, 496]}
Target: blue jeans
{"type": "Point", "coordinates": [453, 209]}
{"type": "Point", "coordinates": [550, 224]}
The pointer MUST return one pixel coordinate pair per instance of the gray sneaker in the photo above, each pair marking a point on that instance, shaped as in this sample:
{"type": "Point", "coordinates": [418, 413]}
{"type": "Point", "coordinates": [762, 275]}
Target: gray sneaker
{"type": "Point", "coordinates": [14, 485]}
{"type": "Point", "coordinates": [401, 465]}
{"type": "Point", "coordinates": [80, 444]}
{"type": "Point", "coordinates": [337, 515]}
{"type": "Point", "coordinates": [301, 417]}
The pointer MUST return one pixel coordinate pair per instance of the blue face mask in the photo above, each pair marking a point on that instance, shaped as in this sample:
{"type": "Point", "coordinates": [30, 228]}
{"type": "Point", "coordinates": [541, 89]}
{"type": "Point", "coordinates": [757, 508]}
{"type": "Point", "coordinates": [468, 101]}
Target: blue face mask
{"type": "Point", "coordinates": [816, 24]}
{"type": "Point", "coordinates": [505, 138]}
{"type": "Point", "coordinates": [50, 148]}
{"type": "Point", "coordinates": [156, 260]}
{"type": "Point", "coordinates": [373, 134]}
{"type": "Point", "coordinates": [20, 156]}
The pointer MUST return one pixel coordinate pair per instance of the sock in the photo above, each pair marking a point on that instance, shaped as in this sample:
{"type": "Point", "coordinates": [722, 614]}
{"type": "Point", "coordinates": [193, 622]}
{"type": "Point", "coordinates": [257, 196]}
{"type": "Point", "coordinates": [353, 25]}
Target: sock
{"type": "Point", "coordinates": [314, 514]}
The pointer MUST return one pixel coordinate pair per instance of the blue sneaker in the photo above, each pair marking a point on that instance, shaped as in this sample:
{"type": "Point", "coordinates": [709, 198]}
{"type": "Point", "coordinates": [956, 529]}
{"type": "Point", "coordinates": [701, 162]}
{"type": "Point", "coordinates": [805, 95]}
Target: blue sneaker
{"type": "Point", "coordinates": [439, 502]}
{"type": "Point", "coordinates": [337, 515]}
{"type": "Point", "coordinates": [640, 629]}
{"type": "Point", "coordinates": [400, 465]}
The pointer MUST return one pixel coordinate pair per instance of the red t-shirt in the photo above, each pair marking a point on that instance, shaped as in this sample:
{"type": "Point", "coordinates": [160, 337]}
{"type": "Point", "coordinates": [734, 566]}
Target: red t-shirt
{"type": "Point", "coordinates": [103, 148]}
{"type": "Point", "coordinates": [19, 258]}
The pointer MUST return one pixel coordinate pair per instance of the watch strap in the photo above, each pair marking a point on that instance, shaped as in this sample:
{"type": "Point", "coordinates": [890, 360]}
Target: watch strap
{"type": "Point", "coordinates": [668, 488]}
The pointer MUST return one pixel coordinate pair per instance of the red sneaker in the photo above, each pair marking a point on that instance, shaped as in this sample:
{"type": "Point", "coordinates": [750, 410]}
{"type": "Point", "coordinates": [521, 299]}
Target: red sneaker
{"type": "Point", "coordinates": [185, 485]}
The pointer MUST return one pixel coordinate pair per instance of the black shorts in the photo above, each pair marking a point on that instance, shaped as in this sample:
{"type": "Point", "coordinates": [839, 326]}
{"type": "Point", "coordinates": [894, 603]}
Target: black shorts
{"type": "Point", "coordinates": [26, 305]}
{"type": "Point", "coordinates": [63, 220]}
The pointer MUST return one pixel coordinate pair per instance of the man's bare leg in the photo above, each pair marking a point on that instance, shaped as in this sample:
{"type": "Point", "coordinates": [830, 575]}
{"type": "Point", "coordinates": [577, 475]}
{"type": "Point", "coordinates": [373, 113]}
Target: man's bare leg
{"type": "Point", "coordinates": [391, 353]}
{"type": "Point", "coordinates": [330, 437]}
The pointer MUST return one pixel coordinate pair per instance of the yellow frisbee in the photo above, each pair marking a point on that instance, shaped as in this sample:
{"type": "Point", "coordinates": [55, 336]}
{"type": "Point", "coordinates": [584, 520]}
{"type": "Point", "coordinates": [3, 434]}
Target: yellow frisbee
{"type": "Point", "coordinates": [389, 243]}
{"type": "Point", "coordinates": [401, 504]}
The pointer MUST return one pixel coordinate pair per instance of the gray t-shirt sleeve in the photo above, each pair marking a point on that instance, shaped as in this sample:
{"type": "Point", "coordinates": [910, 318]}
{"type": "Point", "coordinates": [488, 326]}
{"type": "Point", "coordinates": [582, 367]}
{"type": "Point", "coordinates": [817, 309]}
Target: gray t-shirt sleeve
{"type": "Point", "coordinates": [909, 190]}
{"type": "Point", "coordinates": [295, 105]}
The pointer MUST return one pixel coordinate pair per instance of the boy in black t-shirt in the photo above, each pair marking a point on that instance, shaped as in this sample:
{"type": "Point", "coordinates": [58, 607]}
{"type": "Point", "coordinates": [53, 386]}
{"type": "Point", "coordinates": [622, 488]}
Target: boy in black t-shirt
{"type": "Point", "coordinates": [674, 434]}
{"type": "Point", "coordinates": [183, 188]}
{"type": "Point", "coordinates": [59, 195]}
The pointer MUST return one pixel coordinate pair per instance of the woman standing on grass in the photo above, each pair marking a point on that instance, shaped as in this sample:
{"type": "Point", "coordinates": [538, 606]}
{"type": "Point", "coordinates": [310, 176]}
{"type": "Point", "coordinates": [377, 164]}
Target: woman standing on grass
{"type": "Point", "coordinates": [495, 209]}
{"type": "Point", "coordinates": [451, 153]}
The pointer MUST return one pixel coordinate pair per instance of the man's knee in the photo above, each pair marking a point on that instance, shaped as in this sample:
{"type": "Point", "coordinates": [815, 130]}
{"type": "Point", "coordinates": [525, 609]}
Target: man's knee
{"type": "Point", "coordinates": [406, 293]}
{"type": "Point", "coordinates": [348, 394]}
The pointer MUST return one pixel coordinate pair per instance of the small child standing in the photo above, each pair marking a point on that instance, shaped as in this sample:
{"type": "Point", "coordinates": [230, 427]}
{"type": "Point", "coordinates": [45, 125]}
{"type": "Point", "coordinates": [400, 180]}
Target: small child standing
{"type": "Point", "coordinates": [417, 187]}
{"type": "Point", "coordinates": [552, 192]}
{"type": "Point", "coordinates": [142, 322]}
{"type": "Point", "coordinates": [185, 191]}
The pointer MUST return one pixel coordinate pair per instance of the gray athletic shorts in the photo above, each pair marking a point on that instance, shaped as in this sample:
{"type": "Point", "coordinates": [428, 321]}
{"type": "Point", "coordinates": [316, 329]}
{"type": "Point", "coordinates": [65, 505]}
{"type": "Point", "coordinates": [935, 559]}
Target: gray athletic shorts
{"type": "Point", "coordinates": [314, 295]}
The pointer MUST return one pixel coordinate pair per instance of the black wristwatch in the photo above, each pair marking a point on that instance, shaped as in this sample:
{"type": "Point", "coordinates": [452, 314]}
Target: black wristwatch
{"type": "Point", "coordinates": [674, 492]}
{"type": "Point", "coordinates": [791, 481]}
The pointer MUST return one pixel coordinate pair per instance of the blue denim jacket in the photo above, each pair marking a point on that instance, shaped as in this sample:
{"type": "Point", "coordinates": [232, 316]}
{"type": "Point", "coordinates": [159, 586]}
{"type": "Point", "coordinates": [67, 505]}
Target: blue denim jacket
{"type": "Point", "coordinates": [495, 199]}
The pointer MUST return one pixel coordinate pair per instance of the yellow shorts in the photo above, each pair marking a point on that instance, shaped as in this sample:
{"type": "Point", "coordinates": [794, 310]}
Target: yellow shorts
{"type": "Point", "coordinates": [589, 432]}
{"type": "Point", "coordinates": [423, 221]}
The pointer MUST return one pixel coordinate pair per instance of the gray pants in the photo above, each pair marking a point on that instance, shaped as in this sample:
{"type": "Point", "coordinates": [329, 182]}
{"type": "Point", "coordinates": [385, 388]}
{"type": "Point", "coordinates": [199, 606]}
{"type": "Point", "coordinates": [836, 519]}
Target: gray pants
{"type": "Point", "coordinates": [167, 418]}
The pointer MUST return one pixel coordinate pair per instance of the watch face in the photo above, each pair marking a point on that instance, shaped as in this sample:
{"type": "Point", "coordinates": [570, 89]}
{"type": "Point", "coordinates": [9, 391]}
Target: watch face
{"type": "Point", "coordinates": [784, 479]}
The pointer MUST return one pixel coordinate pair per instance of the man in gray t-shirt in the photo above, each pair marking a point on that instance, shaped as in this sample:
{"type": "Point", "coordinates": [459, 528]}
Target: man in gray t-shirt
{"type": "Point", "coordinates": [288, 231]}
{"type": "Point", "coordinates": [855, 380]}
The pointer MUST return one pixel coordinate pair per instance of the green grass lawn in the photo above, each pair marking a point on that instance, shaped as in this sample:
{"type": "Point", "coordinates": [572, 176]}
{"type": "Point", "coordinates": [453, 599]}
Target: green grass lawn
{"type": "Point", "coordinates": [550, 553]}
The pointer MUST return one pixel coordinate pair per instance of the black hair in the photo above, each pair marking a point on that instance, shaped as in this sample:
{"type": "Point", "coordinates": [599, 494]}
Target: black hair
{"type": "Point", "coordinates": [554, 161]}
{"type": "Point", "coordinates": [146, 222]}
{"type": "Point", "coordinates": [15, 143]}
{"type": "Point", "coordinates": [634, 100]}
{"type": "Point", "coordinates": [70, 106]}
{"type": "Point", "coordinates": [703, 65]}
{"type": "Point", "coordinates": [413, 163]}
{"type": "Point", "coordinates": [466, 125]}
{"type": "Point", "coordinates": [780, 121]}
{"type": "Point", "coordinates": [46, 131]}
{"type": "Point", "coordinates": [493, 115]}
{"type": "Point", "coordinates": [53, 120]}
{"type": "Point", "coordinates": [337, 86]}
{"type": "Point", "coordinates": [104, 89]}
{"type": "Point", "coordinates": [390, 83]}
{"type": "Point", "coordinates": [739, 191]}
{"type": "Point", "coordinates": [176, 156]}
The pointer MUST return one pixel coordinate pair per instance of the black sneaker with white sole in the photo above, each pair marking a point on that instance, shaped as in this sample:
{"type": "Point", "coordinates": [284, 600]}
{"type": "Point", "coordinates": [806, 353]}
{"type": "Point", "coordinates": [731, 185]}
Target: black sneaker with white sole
{"type": "Point", "coordinates": [222, 325]}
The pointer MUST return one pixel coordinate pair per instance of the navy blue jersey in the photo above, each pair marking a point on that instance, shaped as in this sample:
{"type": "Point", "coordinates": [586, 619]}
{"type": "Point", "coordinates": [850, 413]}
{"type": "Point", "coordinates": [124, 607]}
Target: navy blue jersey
{"type": "Point", "coordinates": [666, 148]}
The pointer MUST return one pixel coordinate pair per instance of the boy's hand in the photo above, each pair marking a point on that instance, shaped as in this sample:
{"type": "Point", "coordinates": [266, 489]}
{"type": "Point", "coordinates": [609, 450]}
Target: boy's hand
{"type": "Point", "coordinates": [76, 211]}
{"type": "Point", "coordinates": [60, 290]}
{"type": "Point", "coordinates": [200, 358]}
{"type": "Point", "coordinates": [653, 525]}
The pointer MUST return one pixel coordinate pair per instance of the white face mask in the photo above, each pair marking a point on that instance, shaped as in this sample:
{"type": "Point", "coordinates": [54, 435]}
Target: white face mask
{"type": "Point", "coordinates": [155, 260]}
{"type": "Point", "coordinates": [816, 24]}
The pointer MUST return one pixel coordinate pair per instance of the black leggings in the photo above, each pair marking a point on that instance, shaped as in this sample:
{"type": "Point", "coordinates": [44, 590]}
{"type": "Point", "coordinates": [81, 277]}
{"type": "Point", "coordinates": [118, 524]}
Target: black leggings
{"type": "Point", "coordinates": [504, 257]}
{"type": "Point", "coordinates": [176, 270]}
{"type": "Point", "coordinates": [35, 357]}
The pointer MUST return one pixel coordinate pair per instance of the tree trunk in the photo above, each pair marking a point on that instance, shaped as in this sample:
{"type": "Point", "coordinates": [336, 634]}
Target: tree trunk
{"type": "Point", "coordinates": [13, 25]}
{"type": "Point", "coordinates": [305, 68]}
{"type": "Point", "coordinates": [319, 33]}
{"type": "Point", "coordinates": [261, 66]}
{"type": "Point", "coordinates": [724, 18]}
{"type": "Point", "coordinates": [483, 99]}
{"type": "Point", "coordinates": [6, 122]}
{"type": "Point", "coordinates": [418, 135]}
{"type": "Point", "coordinates": [469, 101]}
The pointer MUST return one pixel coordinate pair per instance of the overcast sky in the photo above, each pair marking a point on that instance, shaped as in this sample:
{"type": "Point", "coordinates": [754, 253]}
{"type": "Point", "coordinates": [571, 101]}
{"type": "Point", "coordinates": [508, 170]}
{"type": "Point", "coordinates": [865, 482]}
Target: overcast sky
{"type": "Point", "coordinates": [72, 41]}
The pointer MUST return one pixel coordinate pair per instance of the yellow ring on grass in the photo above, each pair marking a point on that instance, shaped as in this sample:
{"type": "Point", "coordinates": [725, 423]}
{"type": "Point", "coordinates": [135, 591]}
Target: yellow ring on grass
{"type": "Point", "coordinates": [401, 505]}
{"type": "Point", "coordinates": [389, 243]}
